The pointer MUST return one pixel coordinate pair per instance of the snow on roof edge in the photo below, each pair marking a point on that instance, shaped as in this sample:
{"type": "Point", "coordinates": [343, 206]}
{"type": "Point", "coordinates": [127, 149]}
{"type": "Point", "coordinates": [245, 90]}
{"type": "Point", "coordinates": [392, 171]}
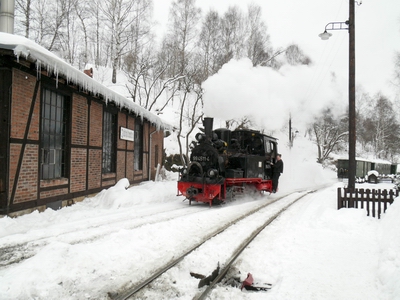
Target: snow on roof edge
{"type": "Point", "coordinates": [53, 64]}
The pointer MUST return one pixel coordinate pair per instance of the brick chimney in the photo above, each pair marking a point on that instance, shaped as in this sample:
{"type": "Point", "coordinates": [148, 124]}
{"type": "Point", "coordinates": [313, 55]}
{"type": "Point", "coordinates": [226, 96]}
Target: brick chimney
{"type": "Point", "coordinates": [7, 16]}
{"type": "Point", "coordinates": [88, 72]}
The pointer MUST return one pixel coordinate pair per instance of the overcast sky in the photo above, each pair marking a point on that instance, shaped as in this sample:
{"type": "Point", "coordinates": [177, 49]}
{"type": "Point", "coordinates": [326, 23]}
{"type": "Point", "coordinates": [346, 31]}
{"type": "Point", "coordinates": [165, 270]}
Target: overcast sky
{"type": "Point", "coordinates": [377, 40]}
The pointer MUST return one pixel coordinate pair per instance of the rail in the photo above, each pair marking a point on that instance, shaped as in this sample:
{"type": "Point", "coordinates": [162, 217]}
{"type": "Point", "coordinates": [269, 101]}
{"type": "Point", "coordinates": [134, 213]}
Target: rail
{"type": "Point", "coordinates": [130, 292]}
{"type": "Point", "coordinates": [242, 247]}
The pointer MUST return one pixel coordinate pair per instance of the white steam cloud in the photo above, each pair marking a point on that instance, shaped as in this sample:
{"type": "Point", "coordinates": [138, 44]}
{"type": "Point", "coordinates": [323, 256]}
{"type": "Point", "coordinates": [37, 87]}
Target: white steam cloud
{"type": "Point", "coordinates": [268, 96]}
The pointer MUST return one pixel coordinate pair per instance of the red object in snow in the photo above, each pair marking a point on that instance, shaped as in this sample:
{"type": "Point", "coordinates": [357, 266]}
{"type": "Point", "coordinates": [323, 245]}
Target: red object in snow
{"type": "Point", "coordinates": [248, 281]}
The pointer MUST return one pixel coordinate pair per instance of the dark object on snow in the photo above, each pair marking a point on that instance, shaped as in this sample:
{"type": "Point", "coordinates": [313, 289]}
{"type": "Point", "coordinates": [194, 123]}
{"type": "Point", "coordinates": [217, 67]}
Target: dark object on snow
{"type": "Point", "coordinates": [209, 279]}
{"type": "Point", "coordinates": [248, 285]}
{"type": "Point", "coordinates": [196, 275]}
{"type": "Point", "coordinates": [248, 281]}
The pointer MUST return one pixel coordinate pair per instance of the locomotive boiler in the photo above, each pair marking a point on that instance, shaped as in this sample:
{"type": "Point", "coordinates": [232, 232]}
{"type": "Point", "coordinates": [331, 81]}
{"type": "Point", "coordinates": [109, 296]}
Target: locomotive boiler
{"type": "Point", "coordinates": [224, 162]}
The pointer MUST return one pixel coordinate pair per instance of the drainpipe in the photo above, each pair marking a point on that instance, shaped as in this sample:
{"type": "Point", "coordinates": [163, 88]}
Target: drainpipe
{"type": "Point", "coordinates": [150, 145]}
{"type": "Point", "coordinates": [7, 16]}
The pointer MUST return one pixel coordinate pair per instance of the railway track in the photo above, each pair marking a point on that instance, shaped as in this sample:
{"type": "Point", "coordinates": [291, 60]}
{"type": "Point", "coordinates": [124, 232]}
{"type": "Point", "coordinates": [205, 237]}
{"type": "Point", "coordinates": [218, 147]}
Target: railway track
{"type": "Point", "coordinates": [11, 253]}
{"type": "Point", "coordinates": [134, 290]}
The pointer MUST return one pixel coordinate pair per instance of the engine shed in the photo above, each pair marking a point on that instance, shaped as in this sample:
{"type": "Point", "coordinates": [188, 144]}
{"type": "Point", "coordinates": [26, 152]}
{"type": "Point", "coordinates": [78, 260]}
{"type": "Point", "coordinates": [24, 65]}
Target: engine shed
{"type": "Point", "coordinates": [63, 135]}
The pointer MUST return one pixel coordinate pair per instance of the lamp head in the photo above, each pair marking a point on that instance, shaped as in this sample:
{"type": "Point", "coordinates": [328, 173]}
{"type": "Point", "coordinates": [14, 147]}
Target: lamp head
{"type": "Point", "coordinates": [325, 35]}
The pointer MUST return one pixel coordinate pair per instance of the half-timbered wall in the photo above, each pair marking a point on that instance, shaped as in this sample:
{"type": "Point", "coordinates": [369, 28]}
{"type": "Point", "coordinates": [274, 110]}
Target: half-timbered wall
{"type": "Point", "coordinates": [23, 157]}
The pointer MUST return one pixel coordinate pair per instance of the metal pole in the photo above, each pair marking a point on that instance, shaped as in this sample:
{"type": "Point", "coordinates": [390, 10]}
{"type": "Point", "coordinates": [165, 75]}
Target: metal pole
{"type": "Point", "coordinates": [290, 130]}
{"type": "Point", "coordinates": [7, 16]}
{"type": "Point", "coordinates": [352, 100]}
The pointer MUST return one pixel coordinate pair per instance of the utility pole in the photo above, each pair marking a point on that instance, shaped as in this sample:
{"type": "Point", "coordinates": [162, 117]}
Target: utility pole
{"type": "Point", "coordinates": [352, 100]}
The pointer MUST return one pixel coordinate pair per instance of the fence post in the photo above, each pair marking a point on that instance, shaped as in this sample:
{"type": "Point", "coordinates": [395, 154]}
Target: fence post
{"type": "Point", "coordinates": [339, 198]}
{"type": "Point", "coordinates": [350, 198]}
{"type": "Point", "coordinates": [361, 191]}
{"type": "Point", "coordinates": [373, 202]}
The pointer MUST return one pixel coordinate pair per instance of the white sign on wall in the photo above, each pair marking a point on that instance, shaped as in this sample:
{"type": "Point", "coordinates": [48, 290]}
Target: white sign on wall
{"type": "Point", "coordinates": [127, 134]}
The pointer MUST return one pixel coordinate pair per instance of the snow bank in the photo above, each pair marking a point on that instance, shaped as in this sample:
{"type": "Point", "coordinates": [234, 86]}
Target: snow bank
{"type": "Point", "coordinates": [389, 256]}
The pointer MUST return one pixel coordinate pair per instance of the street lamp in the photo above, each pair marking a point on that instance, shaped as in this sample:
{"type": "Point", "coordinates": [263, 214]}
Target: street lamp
{"type": "Point", "coordinates": [333, 26]}
{"type": "Point", "coordinates": [349, 25]}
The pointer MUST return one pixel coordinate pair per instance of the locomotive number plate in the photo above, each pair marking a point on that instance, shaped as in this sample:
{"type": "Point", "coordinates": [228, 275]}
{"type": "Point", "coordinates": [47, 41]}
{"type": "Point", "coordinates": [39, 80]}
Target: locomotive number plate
{"type": "Point", "coordinates": [201, 158]}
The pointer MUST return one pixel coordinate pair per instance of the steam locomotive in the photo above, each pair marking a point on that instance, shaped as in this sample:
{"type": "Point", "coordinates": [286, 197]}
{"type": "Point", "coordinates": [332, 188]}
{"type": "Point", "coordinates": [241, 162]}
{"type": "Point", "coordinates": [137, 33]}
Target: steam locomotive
{"type": "Point", "coordinates": [225, 162]}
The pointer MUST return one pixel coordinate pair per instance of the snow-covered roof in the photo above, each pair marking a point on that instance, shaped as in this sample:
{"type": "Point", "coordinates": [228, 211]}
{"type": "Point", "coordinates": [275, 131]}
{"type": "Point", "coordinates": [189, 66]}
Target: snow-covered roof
{"type": "Point", "coordinates": [53, 64]}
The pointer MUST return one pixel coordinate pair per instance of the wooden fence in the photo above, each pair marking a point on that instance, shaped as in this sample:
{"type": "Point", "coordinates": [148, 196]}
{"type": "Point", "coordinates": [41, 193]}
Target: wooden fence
{"type": "Point", "coordinates": [374, 201]}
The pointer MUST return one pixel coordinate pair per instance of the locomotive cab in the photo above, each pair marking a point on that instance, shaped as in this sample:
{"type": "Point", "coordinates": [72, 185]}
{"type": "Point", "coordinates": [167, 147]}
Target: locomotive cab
{"type": "Point", "coordinates": [252, 152]}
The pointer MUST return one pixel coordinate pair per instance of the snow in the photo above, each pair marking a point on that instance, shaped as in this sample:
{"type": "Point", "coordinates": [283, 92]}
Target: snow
{"type": "Point", "coordinates": [373, 172]}
{"type": "Point", "coordinates": [105, 243]}
{"type": "Point", "coordinates": [55, 65]}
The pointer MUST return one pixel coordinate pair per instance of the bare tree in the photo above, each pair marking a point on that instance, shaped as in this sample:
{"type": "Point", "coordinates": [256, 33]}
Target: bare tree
{"type": "Point", "coordinates": [396, 81]}
{"type": "Point", "coordinates": [296, 56]}
{"type": "Point", "coordinates": [120, 17]}
{"type": "Point", "coordinates": [242, 123]}
{"type": "Point", "coordinates": [95, 32]}
{"type": "Point", "coordinates": [182, 33]}
{"type": "Point", "coordinates": [257, 43]}
{"type": "Point", "coordinates": [140, 42]}
{"type": "Point", "coordinates": [385, 123]}
{"type": "Point", "coordinates": [44, 20]}
{"type": "Point", "coordinates": [233, 34]}
{"type": "Point", "coordinates": [191, 111]}
{"type": "Point", "coordinates": [148, 83]}
{"type": "Point", "coordinates": [328, 134]}
{"type": "Point", "coordinates": [81, 9]}
{"type": "Point", "coordinates": [23, 8]}
{"type": "Point", "coordinates": [210, 43]}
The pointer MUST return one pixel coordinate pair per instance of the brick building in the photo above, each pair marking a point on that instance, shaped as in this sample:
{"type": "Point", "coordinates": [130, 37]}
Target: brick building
{"type": "Point", "coordinates": [63, 135]}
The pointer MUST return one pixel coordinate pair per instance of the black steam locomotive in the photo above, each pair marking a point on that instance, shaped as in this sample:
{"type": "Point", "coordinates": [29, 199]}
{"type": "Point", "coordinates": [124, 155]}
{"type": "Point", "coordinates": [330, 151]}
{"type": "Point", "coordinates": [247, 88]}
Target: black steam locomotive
{"type": "Point", "coordinates": [224, 162]}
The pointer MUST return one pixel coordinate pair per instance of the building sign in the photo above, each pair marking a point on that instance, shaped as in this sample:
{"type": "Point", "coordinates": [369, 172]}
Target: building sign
{"type": "Point", "coordinates": [127, 134]}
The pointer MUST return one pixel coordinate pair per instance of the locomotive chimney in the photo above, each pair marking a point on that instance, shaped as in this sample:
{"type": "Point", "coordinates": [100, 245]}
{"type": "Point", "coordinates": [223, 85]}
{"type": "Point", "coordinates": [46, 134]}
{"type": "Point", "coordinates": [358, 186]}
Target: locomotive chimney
{"type": "Point", "coordinates": [208, 126]}
{"type": "Point", "coordinates": [7, 16]}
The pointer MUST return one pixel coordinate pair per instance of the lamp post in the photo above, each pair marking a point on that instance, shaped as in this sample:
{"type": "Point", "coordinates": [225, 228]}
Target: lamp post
{"type": "Point", "coordinates": [349, 25]}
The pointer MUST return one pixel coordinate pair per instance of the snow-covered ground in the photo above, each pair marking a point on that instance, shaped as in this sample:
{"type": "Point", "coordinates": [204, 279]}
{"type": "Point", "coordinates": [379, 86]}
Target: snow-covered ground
{"type": "Point", "coordinates": [110, 241]}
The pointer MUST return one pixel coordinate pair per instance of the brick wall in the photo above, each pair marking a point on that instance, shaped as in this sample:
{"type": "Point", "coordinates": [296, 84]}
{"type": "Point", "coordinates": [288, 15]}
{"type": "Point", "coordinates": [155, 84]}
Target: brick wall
{"type": "Point", "coordinates": [131, 125]}
{"type": "Point", "coordinates": [78, 137]}
{"type": "Point", "coordinates": [22, 93]}
{"type": "Point", "coordinates": [78, 170]}
{"type": "Point", "coordinates": [27, 180]}
{"type": "Point", "coordinates": [129, 166]}
{"type": "Point", "coordinates": [95, 158]}
{"type": "Point", "coordinates": [120, 165]}
{"type": "Point", "coordinates": [95, 139]}
{"type": "Point", "coordinates": [96, 124]}
{"type": "Point", "coordinates": [53, 193]}
{"type": "Point", "coordinates": [156, 140]}
{"type": "Point", "coordinates": [79, 120]}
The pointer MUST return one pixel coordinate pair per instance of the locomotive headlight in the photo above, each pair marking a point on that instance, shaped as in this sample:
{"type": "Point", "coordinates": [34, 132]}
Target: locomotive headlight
{"type": "Point", "coordinates": [200, 137]}
{"type": "Point", "coordinates": [212, 173]}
